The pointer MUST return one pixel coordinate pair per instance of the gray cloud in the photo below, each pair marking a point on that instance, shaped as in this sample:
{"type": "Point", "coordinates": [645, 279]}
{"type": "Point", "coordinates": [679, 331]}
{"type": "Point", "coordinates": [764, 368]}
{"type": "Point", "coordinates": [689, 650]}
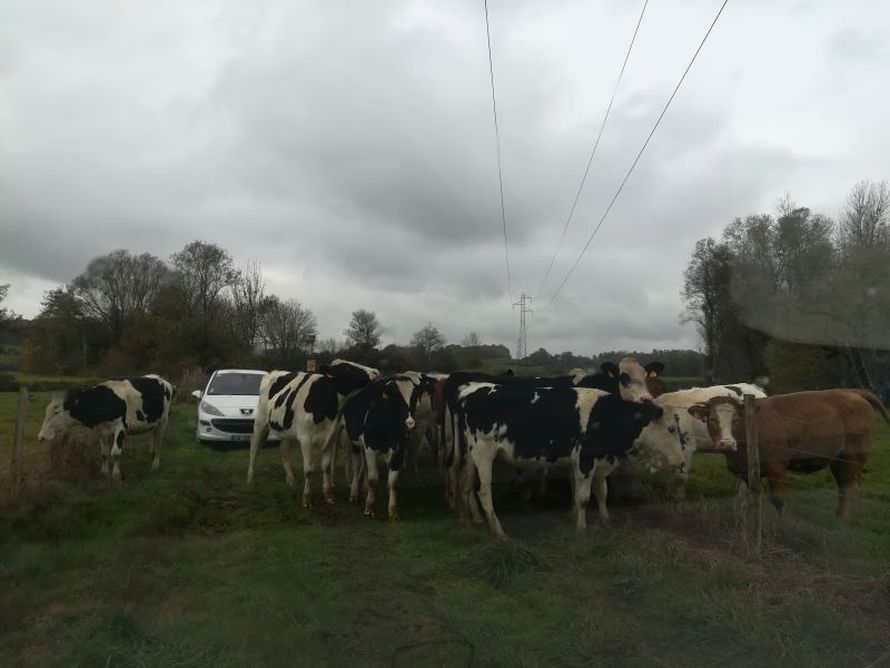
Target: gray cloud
{"type": "Point", "coordinates": [349, 147]}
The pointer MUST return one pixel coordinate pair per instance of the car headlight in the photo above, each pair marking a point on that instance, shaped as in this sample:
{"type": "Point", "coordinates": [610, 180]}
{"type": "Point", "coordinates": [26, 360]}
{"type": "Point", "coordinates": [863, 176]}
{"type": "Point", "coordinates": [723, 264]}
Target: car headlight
{"type": "Point", "coordinates": [209, 409]}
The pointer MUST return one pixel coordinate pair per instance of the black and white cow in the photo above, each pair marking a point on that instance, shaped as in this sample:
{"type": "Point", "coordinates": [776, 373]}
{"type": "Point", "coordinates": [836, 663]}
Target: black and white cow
{"type": "Point", "coordinates": [379, 421]}
{"type": "Point", "coordinates": [626, 379]}
{"type": "Point", "coordinates": [303, 407]}
{"type": "Point", "coordinates": [112, 410]}
{"type": "Point", "coordinates": [586, 430]}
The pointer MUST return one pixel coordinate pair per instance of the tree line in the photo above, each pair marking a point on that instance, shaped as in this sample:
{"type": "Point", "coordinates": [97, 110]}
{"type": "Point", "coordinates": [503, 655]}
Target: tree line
{"type": "Point", "coordinates": [797, 295]}
{"type": "Point", "coordinates": [128, 313]}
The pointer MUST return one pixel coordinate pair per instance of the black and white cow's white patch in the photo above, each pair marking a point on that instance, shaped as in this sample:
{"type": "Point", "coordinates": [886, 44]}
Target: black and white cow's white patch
{"type": "Point", "coordinates": [113, 409]}
{"type": "Point", "coordinates": [587, 430]}
{"type": "Point", "coordinates": [303, 407]}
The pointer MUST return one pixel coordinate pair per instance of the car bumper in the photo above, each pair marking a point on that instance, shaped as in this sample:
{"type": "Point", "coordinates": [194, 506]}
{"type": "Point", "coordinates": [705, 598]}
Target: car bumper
{"type": "Point", "coordinates": [224, 430]}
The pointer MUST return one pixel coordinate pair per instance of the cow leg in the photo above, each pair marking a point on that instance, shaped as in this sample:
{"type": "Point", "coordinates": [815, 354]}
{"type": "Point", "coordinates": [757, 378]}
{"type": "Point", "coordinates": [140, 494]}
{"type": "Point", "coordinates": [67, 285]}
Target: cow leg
{"type": "Point", "coordinates": [355, 457]}
{"type": "Point", "coordinates": [105, 441]}
{"type": "Point", "coordinates": [582, 494]}
{"type": "Point", "coordinates": [158, 439]}
{"type": "Point", "coordinates": [371, 462]}
{"type": "Point", "coordinates": [116, 449]}
{"type": "Point", "coordinates": [542, 484]}
{"type": "Point", "coordinates": [467, 493]}
{"type": "Point", "coordinates": [257, 439]}
{"type": "Point", "coordinates": [308, 470]}
{"type": "Point", "coordinates": [327, 470]}
{"type": "Point", "coordinates": [601, 490]}
{"type": "Point", "coordinates": [847, 474]}
{"type": "Point", "coordinates": [775, 472]}
{"type": "Point", "coordinates": [484, 466]}
{"type": "Point", "coordinates": [394, 464]}
{"type": "Point", "coordinates": [284, 449]}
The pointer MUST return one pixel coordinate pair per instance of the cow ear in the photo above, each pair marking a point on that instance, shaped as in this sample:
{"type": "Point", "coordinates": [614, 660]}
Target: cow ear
{"type": "Point", "coordinates": [698, 411]}
{"type": "Point", "coordinates": [610, 369]}
{"type": "Point", "coordinates": [654, 368]}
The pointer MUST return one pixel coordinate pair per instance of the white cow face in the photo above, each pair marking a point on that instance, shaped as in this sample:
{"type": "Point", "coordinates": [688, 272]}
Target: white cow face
{"type": "Point", "coordinates": [661, 443]}
{"type": "Point", "coordinates": [56, 420]}
{"type": "Point", "coordinates": [723, 418]}
{"type": "Point", "coordinates": [632, 381]}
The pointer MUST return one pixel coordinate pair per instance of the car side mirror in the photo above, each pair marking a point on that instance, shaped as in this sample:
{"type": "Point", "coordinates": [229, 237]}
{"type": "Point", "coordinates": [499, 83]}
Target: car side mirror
{"type": "Point", "coordinates": [197, 394]}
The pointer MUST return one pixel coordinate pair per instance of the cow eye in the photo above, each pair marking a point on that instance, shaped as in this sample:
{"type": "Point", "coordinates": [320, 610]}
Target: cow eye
{"type": "Point", "coordinates": [624, 379]}
{"type": "Point", "coordinates": [672, 429]}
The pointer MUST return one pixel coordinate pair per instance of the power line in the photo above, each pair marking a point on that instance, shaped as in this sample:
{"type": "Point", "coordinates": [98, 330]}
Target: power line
{"type": "Point", "coordinates": [497, 139]}
{"type": "Point", "coordinates": [593, 151]}
{"type": "Point", "coordinates": [639, 155]}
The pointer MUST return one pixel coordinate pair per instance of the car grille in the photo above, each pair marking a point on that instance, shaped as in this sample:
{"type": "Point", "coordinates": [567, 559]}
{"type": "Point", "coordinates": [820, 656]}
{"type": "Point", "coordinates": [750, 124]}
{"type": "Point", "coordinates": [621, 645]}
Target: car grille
{"type": "Point", "coordinates": [233, 425]}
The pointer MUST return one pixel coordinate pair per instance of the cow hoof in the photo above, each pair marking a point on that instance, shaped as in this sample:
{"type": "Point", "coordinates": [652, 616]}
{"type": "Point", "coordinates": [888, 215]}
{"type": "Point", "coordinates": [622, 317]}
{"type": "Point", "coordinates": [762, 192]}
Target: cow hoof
{"type": "Point", "coordinates": [307, 503]}
{"type": "Point", "coordinates": [353, 499]}
{"type": "Point", "coordinates": [393, 517]}
{"type": "Point", "coordinates": [330, 500]}
{"type": "Point", "coordinates": [155, 466]}
{"type": "Point", "coordinates": [289, 482]}
{"type": "Point", "coordinates": [369, 513]}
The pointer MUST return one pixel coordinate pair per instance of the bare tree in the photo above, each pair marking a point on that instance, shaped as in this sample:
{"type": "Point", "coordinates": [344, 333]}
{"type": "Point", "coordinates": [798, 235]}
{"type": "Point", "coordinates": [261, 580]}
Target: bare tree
{"type": "Point", "coordinates": [363, 330]}
{"type": "Point", "coordinates": [428, 340]}
{"type": "Point", "coordinates": [118, 286]}
{"type": "Point", "coordinates": [865, 220]}
{"type": "Point", "coordinates": [249, 293]}
{"type": "Point", "coordinates": [329, 345]}
{"type": "Point", "coordinates": [289, 330]}
{"type": "Point", "coordinates": [471, 340]}
{"type": "Point", "coordinates": [205, 272]}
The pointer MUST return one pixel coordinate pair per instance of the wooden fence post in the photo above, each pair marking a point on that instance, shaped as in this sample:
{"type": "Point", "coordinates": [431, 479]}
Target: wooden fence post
{"type": "Point", "coordinates": [18, 439]}
{"type": "Point", "coordinates": [752, 513]}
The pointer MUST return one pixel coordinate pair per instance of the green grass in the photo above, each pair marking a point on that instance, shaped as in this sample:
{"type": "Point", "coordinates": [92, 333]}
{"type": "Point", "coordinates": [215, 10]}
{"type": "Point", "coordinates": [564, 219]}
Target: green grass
{"type": "Point", "coordinates": [189, 567]}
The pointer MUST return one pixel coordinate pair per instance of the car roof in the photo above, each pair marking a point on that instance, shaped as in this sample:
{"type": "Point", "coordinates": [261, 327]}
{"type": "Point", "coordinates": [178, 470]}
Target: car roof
{"type": "Point", "coordinates": [257, 372]}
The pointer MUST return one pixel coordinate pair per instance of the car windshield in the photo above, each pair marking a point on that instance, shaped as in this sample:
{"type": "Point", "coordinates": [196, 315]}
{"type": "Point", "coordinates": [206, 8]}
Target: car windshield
{"type": "Point", "coordinates": [235, 383]}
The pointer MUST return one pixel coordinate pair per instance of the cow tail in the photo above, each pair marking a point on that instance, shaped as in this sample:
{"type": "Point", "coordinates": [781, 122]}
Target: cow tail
{"type": "Point", "coordinates": [876, 403]}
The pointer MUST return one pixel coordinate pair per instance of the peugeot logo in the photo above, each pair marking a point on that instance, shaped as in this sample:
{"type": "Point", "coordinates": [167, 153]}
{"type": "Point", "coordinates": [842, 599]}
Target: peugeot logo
{"type": "Point", "coordinates": [246, 411]}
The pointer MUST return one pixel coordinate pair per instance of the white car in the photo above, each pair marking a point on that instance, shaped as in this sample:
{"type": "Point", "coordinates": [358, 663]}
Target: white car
{"type": "Point", "coordinates": [227, 406]}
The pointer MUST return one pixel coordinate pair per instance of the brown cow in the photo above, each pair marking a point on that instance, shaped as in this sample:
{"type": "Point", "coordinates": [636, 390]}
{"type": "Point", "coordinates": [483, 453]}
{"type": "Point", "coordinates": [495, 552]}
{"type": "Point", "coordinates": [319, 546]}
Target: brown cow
{"type": "Point", "coordinates": [801, 432]}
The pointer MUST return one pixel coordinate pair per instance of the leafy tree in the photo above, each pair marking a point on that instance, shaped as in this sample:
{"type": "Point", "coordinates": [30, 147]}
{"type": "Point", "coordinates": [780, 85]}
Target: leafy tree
{"type": "Point", "coordinates": [427, 340]}
{"type": "Point", "coordinates": [205, 272]}
{"type": "Point", "coordinates": [119, 286]}
{"type": "Point", "coordinates": [4, 291]}
{"type": "Point", "coordinates": [363, 331]}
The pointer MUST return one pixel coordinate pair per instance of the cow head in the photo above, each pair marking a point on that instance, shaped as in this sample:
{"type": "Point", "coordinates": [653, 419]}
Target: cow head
{"type": "Point", "coordinates": [661, 442]}
{"type": "Point", "coordinates": [632, 380]}
{"type": "Point", "coordinates": [654, 382]}
{"type": "Point", "coordinates": [723, 418]}
{"type": "Point", "coordinates": [56, 419]}
{"type": "Point", "coordinates": [349, 377]}
{"type": "Point", "coordinates": [397, 395]}
{"type": "Point", "coordinates": [371, 372]}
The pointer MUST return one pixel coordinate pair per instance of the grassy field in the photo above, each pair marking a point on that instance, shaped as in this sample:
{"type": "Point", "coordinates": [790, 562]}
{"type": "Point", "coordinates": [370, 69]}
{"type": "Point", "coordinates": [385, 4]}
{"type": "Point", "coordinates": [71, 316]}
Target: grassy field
{"type": "Point", "coordinates": [188, 567]}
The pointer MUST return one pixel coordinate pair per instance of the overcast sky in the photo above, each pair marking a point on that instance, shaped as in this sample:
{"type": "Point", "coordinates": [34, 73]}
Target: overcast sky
{"type": "Point", "coordinates": [349, 147]}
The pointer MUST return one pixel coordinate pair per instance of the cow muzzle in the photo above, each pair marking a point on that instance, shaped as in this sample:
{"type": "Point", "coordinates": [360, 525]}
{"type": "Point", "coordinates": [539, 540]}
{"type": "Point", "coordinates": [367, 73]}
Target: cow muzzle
{"type": "Point", "coordinates": [727, 444]}
{"type": "Point", "coordinates": [410, 423]}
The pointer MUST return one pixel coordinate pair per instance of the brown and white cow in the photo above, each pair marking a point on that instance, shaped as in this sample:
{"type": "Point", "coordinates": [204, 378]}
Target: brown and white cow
{"type": "Point", "coordinates": [801, 432]}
